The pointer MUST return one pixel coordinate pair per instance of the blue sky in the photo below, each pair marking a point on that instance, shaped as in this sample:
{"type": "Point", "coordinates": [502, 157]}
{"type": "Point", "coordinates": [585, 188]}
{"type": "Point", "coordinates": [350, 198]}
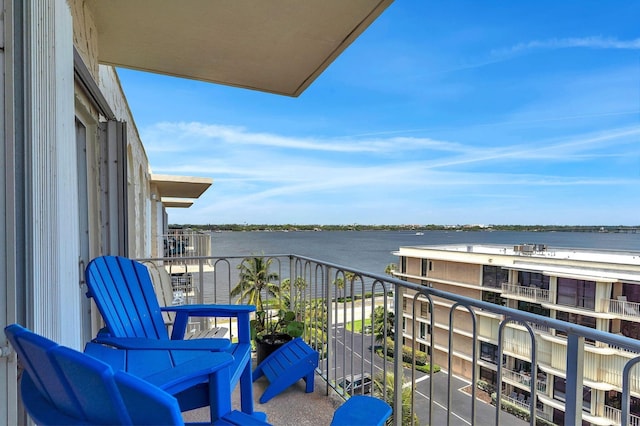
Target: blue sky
{"type": "Point", "coordinates": [449, 112]}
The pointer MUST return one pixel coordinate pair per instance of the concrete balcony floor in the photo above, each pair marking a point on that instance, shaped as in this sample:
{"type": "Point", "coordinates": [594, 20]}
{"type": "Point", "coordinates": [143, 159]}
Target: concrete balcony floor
{"type": "Point", "coordinates": [291, 407]}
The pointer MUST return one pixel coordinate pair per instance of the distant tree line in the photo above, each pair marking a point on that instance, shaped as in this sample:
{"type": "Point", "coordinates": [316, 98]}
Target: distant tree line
{"type": "Point", "coordinates": [357, 227]}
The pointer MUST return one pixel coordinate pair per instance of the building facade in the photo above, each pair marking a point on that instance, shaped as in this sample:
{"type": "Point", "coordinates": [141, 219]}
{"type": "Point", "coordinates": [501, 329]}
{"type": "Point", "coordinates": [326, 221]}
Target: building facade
{"type": "Point", "coordinates": [594, 288]}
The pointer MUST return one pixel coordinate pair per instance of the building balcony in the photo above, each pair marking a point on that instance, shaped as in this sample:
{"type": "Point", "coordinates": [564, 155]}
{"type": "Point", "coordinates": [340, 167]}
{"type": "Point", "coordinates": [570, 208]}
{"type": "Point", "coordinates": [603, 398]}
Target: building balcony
{"type": "Point", "coordinates": [336, 303]}
{"type": "Point", "coordinates": [615, 415]}
{"type": "Point", "coordinates": [523, 380]}
{"type": "Point", "coordinates": [530, 294]}
{"type": "Point", "coordinates": [624, 309]}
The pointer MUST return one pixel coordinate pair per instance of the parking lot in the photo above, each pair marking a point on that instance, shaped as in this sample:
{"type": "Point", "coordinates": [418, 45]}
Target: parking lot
{"type": "Point", "coordinates": [461, 410]}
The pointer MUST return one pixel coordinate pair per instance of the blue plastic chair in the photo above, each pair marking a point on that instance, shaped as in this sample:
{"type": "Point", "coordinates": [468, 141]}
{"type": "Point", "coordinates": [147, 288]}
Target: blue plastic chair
{"type": "Point", "coordinates": [61, 386]}
{"type": "Point", "coordinates": [123, 292]}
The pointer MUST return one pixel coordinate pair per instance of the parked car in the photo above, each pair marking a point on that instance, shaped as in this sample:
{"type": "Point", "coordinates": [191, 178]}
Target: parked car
{"type": "Point", "coordinates": [356, 383]}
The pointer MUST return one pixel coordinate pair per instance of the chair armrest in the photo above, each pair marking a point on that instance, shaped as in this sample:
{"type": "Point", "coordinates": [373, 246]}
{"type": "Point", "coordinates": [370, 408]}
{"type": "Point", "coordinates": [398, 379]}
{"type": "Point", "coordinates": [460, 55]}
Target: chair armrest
{"type": "Point", "coordinates": [190, 373]}
{"type": "Point", "coordinates": [211, 310]}
{"type": "Point", "coordinates": [183, 312]}
{"type": "Point", "coordinates": [155, 344]}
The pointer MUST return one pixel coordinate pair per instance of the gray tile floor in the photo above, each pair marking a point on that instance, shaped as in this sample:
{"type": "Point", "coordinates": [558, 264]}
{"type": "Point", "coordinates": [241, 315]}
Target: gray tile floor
{"type": "Point", "coordinates": [291, 407]}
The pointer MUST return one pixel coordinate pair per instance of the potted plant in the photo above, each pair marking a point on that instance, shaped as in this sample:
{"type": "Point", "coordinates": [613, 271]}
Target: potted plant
{"type": "Point", "coordinates": [272, 331]}
{"type": "Point", "coordinates": [272, 326]}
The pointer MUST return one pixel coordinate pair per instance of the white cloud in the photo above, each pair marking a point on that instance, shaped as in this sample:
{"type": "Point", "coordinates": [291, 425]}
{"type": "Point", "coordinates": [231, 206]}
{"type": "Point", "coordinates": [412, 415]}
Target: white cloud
{"type": "Point", "coordinates": [595, 42]}
{"type": "Point", "coordinates": [181, 136]}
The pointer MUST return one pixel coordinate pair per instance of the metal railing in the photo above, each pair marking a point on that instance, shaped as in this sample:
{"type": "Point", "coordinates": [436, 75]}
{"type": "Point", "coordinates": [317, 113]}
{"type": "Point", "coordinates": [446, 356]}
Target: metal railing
{"type": "Point", "coordinates": [533, 294]}
{"type": "Point", "coordinates": [524, 379]}
{"type": "Point", "coordinates": [185, 244]}
{"type": "Point", "coordinates": [624, 309]}
{"type": "Point", "coordinates": [615, 415]}
{"type": "Point", "coordinates": [336, 302]}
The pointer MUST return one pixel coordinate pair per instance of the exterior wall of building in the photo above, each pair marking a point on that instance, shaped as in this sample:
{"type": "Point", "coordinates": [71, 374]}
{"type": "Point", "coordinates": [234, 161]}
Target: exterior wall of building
{"type": "Point", "coordinates": [138, 169]}
{"type": "Point", "coordinates": [460, 269]}
{"type": "Point", "coordinates": [456, 271]}
{"type": "Point", "coordinates": [43, 118]}
{"type": "Point", "coordinates": [85, 34]}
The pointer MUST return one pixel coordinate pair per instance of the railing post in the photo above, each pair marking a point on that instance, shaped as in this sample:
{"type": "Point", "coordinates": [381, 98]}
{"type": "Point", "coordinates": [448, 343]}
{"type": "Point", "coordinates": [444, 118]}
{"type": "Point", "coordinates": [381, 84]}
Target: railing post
{"type": "Point", "coordinates": [575, 372]}
{"type": "Point", "coordinates": [626, 391]}
{"type": "Point", "coordinates": [331, 333]}
{"type": "Point", "coordinates": [397, 359]}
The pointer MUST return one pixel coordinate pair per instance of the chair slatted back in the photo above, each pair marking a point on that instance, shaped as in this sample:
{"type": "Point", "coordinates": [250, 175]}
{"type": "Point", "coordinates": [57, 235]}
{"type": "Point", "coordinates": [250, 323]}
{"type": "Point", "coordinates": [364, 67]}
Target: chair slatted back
{"type": "Point", "coordinates": [145, 407]}
{"type": "Point", "coordinates": [32, 351]}
{"type": "Point", "coordinates": [91, 383]}
{"type": "Point", "coordinates": [164, 290]}
{"type": "Point", "coordinates": [64, 386]}
{"type": "Point", "coordinates": [123, 291]}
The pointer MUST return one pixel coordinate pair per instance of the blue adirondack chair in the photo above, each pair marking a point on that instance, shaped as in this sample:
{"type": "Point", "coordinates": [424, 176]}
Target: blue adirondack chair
{"type": "Point", "coordinates": [61, 386]}
{"type": "Point", "coordinates": [124, 294]}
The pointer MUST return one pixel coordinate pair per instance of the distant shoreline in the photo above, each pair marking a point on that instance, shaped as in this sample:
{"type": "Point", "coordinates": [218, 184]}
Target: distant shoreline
{"type": "Point", "coordinates": [414, 228]}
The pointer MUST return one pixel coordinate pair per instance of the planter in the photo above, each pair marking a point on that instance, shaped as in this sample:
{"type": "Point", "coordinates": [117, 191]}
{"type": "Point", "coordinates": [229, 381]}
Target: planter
{"type": "Point", "coordinates": [265, 345]}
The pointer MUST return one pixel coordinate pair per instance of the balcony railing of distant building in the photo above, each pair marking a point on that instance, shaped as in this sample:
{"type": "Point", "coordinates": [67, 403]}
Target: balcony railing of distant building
{"type": "Point", "coordinates": [524, 378]}
{"type": "Point", "coordinates": [615, 415]}
{"type": "Point", "coordinates": [532, 294]}
{"type": "Point", "coordinates": [183, 250]}
{"type": "Point", "coordinates": [332, 298]}
{"type": "Point", "coordinates": [187, 245]}
{"type": "Point", "coordinates": [624, 309]}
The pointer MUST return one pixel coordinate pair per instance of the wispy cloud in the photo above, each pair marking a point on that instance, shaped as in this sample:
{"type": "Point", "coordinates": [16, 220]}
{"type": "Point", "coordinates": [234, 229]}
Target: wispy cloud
{"type": "Point", "coordinates": [595, 42]}
{"type": "Point", "coordinates": [170, 137]}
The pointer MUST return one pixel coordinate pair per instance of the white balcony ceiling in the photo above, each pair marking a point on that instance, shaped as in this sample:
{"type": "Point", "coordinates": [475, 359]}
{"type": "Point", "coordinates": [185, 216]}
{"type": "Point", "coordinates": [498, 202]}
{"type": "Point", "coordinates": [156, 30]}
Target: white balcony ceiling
{"type": "Point", "coordinates": [180, 186]}
{"type": "Point", "coordinates": [278, 46]}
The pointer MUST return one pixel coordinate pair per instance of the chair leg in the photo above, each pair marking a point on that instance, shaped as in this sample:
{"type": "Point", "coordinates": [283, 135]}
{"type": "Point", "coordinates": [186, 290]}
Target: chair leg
{"type": "Point", "coordinates": [219, 385]}
{"type": "Point", "coordinates": [246, 390]}
{"type": "Point", "coordinates": [246, 394]}
{"type": "Point", "coordinates": [310, 381]}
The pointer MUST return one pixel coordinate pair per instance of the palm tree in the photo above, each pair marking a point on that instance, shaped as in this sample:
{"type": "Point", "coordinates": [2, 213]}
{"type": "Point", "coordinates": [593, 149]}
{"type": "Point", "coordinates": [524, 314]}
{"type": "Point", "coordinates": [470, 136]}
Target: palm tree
{"type": "Point", "coordinates": [290, 297]}
{"type": "Point", "coordinates": [390, 269]}
{"type": "Point", "coordinates": [340, 281]}
{"type": "Point", "coordinates": [383, 388]}
{"type": "Point", "coordinates": [255, 279]}
{"type": "Point", "coordinates": [381, 328]}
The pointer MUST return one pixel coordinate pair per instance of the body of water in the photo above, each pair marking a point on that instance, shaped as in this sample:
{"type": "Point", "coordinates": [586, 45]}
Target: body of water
{"type": "Point", "coordinates": [372, 251]}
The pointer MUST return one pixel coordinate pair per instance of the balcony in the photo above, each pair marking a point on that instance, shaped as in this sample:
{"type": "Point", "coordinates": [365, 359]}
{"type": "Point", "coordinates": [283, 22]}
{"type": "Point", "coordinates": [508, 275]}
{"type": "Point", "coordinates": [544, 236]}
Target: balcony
{"type": "Point", "coordinates": [337, 301]}
{"type": "Point", "coordinates": [523, 380]}
{"type": "Point", "coordinates": [530, 294]}
{"type": "Point", "coordinates": [624, 309]}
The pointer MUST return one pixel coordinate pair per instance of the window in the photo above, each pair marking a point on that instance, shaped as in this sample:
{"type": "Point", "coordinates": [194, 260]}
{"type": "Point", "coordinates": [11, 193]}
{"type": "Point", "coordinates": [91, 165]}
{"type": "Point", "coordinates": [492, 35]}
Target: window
{"type": "Point", "coordinates": [578, 293]}
{"type": "Point", "coordinates": [424, 308]}
{"type": "Point", "coordinates": [632, 291]}
{"type": "Point", "coordinates": [424, 267]}
{"type": "Point", "coordinates": [488, 376]}
{"type": "Point", "coordinates": [492, 297]}
{"type": "Point", "coordinates": [521, 366]}
{"type": "Point", "coordinates": [585, 320]}
{"type": "Point", "coordinates": [534, 308]}
{"type": "Point", "coordinates": [560, 388]}
{"type": "Point", "coordinates": [423, 330]}
{"type": "Point", "coordinates": [533, 279]}
{"type": "Point", "coordinates": [630, 329]}
{"type": "Point", "coordinates": [494, 276]}
{"type": "Point", "coordinates": [489, 352]}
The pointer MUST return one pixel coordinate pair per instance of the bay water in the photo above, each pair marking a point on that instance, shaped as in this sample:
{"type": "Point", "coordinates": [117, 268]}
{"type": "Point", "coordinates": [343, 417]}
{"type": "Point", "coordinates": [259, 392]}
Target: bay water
{"type": "Point", "coordinates": [372, 251]}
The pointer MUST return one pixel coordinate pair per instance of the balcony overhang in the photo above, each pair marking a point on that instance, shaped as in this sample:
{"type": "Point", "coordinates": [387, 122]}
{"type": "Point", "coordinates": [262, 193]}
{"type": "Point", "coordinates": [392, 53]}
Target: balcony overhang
{"type": "Point", "coordinates": [177, 189]}
{"type": "Point", "coordinates": [181, 203]}
{"type": "Point", "coordinates": [277, 46]}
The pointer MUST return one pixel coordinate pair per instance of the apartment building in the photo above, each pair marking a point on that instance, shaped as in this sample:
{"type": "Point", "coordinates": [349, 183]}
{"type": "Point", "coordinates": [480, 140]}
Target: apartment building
{"type": "Point", "coordinates": [599, 289]}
